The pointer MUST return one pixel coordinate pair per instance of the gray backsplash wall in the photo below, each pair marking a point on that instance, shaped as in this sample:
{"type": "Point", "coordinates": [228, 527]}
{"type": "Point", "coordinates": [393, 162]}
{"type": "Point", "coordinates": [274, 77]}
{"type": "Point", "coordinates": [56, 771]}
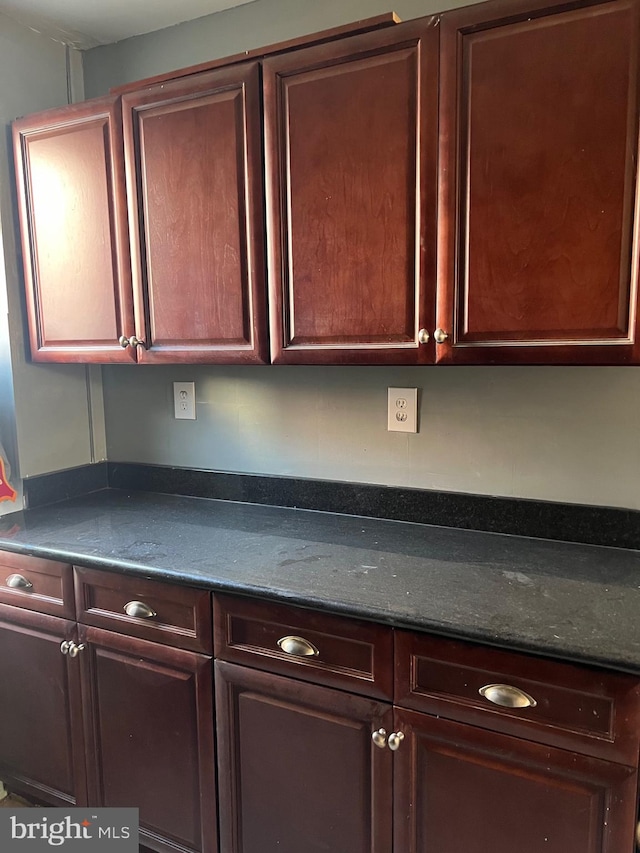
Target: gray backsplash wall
{"type": "Point", "coordinates": [567, 434]}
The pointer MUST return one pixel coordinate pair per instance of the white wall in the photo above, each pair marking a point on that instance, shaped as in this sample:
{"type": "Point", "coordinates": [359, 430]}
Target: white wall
{"type": "Point", "coordinates": [44, 407]}
{"type": "Point", "coordinates": [569, 434]}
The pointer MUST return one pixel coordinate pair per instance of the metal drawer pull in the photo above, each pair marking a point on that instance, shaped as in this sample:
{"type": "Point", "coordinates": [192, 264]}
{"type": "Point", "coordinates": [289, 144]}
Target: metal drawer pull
{"type": "Point", "coordinates": [395, 739]}
{"type": "Point", "coordinates": [379, 738]}
{"type": "Point", "coordinates": [18, 582]}
{"type": "Point", "coordinates": [139, 609]}
{"type": "Point", "coordinates": [65, 645]}
{"type": "Point", "coordinates": [298, 646]}
{"type": "Point", "coordinates": [507, 696]}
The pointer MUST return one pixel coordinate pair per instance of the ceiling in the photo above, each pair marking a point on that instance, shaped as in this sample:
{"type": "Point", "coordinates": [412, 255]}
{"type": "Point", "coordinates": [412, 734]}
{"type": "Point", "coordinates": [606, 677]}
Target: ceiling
{"type": "Point", "coordinates": [87, 23]}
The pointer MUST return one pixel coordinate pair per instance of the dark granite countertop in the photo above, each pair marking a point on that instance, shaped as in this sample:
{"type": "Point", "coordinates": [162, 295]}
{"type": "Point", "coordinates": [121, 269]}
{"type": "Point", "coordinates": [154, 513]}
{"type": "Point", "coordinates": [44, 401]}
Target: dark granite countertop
{"type": "Point", "coordinates": [576, 602]}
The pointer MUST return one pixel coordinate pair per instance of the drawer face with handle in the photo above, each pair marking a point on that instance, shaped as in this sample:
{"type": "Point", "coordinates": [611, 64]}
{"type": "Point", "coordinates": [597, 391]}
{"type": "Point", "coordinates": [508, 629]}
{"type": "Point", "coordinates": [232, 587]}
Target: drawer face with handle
{"type": "Point", "coordinates": [37, 584]}
{"type": "Point", "coordinates": [152, 610]}
{"type": "Point", "coordinates": [306, 644]}
{"type": "Point", "coordinates": [561, 704]}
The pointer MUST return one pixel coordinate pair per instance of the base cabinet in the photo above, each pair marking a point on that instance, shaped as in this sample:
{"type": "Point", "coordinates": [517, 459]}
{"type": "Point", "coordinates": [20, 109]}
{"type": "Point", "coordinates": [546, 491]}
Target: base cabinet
{"type": "Point", "coordinates": [42, 748]}
{"type": "Point", "coordinates": [149, 733]}
{"type": "Point", "coordinates": [459, 788]}
{"type": "Point", "coordinates": [297, 771]}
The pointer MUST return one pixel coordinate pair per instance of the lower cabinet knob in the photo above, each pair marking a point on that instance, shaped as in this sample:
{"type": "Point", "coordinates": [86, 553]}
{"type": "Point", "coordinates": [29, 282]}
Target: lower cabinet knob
{"type": "Point", "coordinates": [65, 645]}
{"type": "Point", "coordinates": [395, 739]}
{"type": "Point", "coordinates": [74, 650]}
{"type": "Point", "coordinates": [379, 738]}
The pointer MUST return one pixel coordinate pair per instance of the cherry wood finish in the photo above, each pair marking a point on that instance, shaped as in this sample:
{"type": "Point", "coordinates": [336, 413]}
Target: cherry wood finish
{"type": "Point", "coordinates": [352, 655]}
{"type": "Point", "coordinates": [41, 741]}
{"type": "Point", "coordinates": [194, 185]}
{"type": "Point", "coordinates": [149, 731]}
{"type": "Point", "coordinates": [458, 788]}
{"type": "Point", "coordinates": [537, 199]}
{"type": "Point", "coordinates": [387, 19]}
{"type": "Point", "coordinates": [350, 147]}
{"type": "Point", "coordinates": [183, 614]}
{"type": "Point", "coordinates": [69, 166]}
{"type": "Point", "coordinates": [580, 708]}
{"type": "Point", "coordinates": [298, 770]}
{"type": "Point", "coordinates": [51, 589]}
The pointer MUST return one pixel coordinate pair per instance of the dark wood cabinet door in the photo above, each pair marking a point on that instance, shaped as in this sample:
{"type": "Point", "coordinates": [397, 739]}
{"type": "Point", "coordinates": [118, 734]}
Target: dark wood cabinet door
{"type": "Point", "coordinates": [538, 161]}
{"type": "Point", "coordinates": [149, 730]}
{"type": "Point", "coordinates": [194, 181]}
{"type": "Point", "coordinates": [460, 788]}
{"type": "Point", "coordinates": [41, 735]}
{"type": "Point", "coordinates": [70, 174]}
{"type": "Point", "coordinates": [297, 767]}
{"type": "Point", "coordinates": [351, 136]}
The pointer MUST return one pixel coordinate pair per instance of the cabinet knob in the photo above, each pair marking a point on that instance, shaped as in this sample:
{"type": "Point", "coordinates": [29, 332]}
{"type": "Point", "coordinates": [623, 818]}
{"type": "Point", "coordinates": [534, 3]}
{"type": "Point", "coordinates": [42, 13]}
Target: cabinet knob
{"type": "Point", "coordinates": [74, 649]}
{"type": "Point", "coordinates": [379, 738]}
{"type": "Point", "coordinates": [423, 336]}
{"type": "Point", "coordinates": [298, 647]}
{"type": "Point", "coordinates": [18, 582]}
{"type": "Point", "coordinates": [440, 336]}
{"type": "Point", "coordinates": [507, 696]}
{"type": "Point", "coordinates": [139, 609]}
{"type": "Point", "coordinates": [65, 645]}
{"type": "Point", "coordinates": [395, 739]}
{"type": "Point", "coordinates": [123, 341]}
{"type": "Point", "coordinates": [136, 342]}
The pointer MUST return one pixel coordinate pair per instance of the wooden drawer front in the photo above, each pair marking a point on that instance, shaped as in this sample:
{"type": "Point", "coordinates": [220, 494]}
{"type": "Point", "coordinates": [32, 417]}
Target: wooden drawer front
{"type": "Point", "coordinates": [182, 616]}
{"type": "Point", "coordinates": [581, 708]}
{"type": "Point", "coordinates": [51, 584]}
{"type": "Point", "coordinates": [351, 654]}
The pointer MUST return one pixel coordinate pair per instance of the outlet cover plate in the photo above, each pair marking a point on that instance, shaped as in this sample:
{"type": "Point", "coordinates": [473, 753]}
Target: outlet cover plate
{"type": "Point", "coordinates": [184, 400]}
{"type": "Point", "coordinates": [402, 410]}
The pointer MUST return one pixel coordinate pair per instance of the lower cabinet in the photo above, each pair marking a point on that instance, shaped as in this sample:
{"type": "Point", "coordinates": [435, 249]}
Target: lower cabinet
{"type": "Point", "coordinates": [41, 737]}
{"type": "Point", "coordinates": [148, 722]}
{"type": "Point", "coordinates": [465, 761]}
{"type": "Point", "coordinates": [296, 768]}
{"type": "Point", "coordinates": [459, 788]}
{"type": "Point", "coordinates": [90, 716]}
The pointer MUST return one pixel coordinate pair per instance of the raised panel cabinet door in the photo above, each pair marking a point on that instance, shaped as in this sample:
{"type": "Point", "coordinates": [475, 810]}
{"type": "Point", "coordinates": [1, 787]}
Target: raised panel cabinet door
{"type": "Point", "coordinates": [351, 173]}
{"type": "Point", "coordinates": [41, 735]}
{"type": "Point", "coordinates": [461, 788]}
{"type": "Point", "coordinates": [298, 770]}
{"type": "Point", "coordinates": [193, 151]}
{"type": "Point", "coordinates": [71, 198]}
{"type": "Point", "coordinates": [538, 184]}
{"type": "Point", "coordinates": [149, 730]}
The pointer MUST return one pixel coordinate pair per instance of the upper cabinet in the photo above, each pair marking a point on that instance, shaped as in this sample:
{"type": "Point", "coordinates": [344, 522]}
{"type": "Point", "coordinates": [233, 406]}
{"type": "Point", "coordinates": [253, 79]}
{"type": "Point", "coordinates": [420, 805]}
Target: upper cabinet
{"type": "Point", "coordinates": [460, 189]}
{"type": "Point", "coordinates": [193, 156]}
{"type": "Point", "coordinates": [69, 167]}
{"type": "Point", "coordinates": [351, 176]}
{"type": "Point", "coordinates": [538, 161]}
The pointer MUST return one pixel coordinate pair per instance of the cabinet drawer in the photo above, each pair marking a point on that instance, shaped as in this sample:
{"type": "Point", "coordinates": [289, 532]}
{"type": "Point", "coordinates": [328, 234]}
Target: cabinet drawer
{"type": "Point", "coordinates": [152, 610]}
{"type": "Point", "coordinates": [37, 584]}
{"type": "Point", "coordinates": [575, 707]}
{"type": "Point", "coordinates": [319, 647]}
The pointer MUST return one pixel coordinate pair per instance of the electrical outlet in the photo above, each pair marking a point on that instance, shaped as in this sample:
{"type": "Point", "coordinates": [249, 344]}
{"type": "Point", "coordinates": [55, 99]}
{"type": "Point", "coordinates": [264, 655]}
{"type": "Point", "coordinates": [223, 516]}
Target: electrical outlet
{"type": "Point", "coordinates": [184, 400]}
{"type": "Point", "coordinates": [402, 410]}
